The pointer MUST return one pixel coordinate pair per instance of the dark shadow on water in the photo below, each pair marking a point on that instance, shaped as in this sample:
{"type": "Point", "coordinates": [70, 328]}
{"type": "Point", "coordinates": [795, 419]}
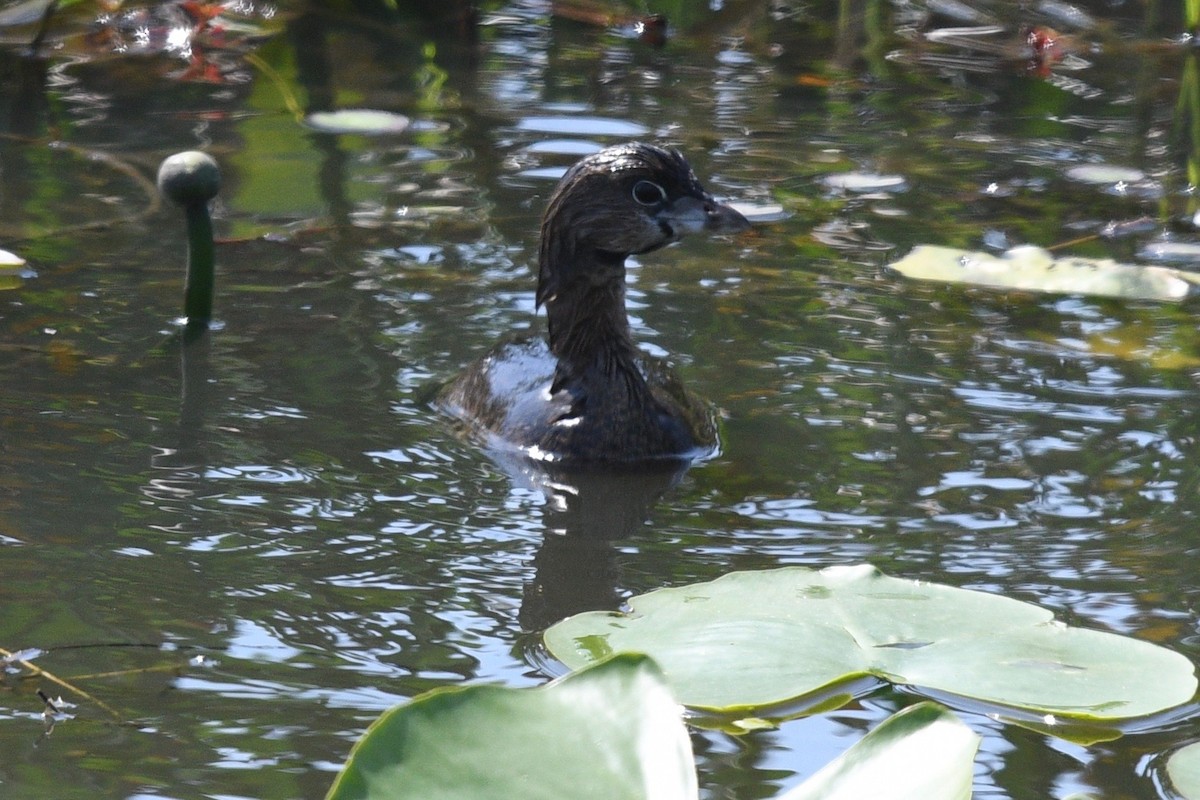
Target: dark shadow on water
{"type": "Point", "coordinates": [587, 512]}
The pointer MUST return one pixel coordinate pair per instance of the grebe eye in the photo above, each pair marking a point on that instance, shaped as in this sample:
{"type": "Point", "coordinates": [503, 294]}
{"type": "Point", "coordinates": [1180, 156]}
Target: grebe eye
{"type": "Point", "coordinates": [648, 193]}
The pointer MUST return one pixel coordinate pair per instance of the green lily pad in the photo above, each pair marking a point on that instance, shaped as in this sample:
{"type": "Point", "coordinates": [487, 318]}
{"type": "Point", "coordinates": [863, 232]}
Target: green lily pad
{"type": "Point", "coordinates": [613, 731]}
{"type": "Point", "coordinates": [922, 752]}
{"type": "Point", "coordinates": [1183, 769]}
{"type": "Point", "coordinates": [755, 640]}
{"type": "Point", "coordinates": [1034, 269]}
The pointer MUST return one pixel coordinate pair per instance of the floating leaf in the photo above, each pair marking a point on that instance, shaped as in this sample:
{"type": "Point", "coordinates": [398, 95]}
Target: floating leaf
{"type": "Point", "coordinates": [866, 182]}
{"type": "Point", "coordinates": [1183, 768]}
{"type": "Point", "coordinates": [1034, 269]}
{"type": "Point", "coordinates": [365, 121]}
{"type": "Point", "coordinates": [760, 212]}
{"type": "Point", "coordinates": [13, 271]}
{"type": "Point", "coordinates": [613, 731]}
{"type": "Point", "coordinates": [753, 640]}
{"type": "Point", "coordinates": [922, 752]}
{"type": "Point", "coordinates": [1104, 174]}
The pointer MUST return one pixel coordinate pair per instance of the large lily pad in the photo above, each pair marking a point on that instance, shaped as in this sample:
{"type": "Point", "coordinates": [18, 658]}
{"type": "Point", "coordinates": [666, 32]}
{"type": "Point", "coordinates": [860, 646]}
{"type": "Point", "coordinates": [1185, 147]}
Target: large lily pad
{"type": "Point", "coordinates": [1033, 269]}
{"type": "Point", "coordinates": [613, 732]}
{"type": "Point", "coordinates": [922, 752]}
{"type": "Point", "coordinates": [756, 640]}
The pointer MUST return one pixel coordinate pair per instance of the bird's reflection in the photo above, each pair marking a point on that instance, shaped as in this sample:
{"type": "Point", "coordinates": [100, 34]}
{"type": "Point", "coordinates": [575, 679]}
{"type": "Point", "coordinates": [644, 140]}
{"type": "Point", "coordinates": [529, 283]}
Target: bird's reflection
{"type": "Point", "coordinates": [587, 511]}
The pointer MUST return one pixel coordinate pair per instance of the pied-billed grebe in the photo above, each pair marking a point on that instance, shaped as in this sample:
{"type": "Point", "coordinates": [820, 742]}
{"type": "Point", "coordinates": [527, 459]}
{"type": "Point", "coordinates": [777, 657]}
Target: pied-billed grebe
{"type": "Point", "coordinates": [589, 394]}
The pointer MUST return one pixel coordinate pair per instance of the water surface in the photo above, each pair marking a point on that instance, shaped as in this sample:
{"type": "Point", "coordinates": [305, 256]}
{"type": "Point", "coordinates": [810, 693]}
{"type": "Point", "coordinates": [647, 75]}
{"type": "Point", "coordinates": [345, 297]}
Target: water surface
{"type": "Point", "coordinates": [245, 550]}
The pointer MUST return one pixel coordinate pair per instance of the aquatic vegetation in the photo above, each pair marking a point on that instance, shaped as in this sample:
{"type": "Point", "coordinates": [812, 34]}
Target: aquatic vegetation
{"type": "Point", "coordinates": [191, 180]}
{"type": "Point", "coordinates": [749, 642]}
{"type": "Point", "coordinates": [614, 731]}
{"type": "Point", "coordinates": [1034, 269]}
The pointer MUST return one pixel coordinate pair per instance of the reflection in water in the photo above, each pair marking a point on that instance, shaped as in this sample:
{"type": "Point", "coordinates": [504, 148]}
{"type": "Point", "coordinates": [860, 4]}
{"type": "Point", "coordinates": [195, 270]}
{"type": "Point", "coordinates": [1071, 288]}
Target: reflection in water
{"type": "Point", "coordinates": [186, 458]}
{"type": "Point", "coordinates": [586, 512]}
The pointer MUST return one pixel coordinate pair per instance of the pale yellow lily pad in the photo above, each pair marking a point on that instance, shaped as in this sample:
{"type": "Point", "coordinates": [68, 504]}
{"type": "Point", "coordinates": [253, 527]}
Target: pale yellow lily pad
{"type": "Point", "coordinates": [365, 121]}
{"type": "Point", "coordinates": [1035, 269]}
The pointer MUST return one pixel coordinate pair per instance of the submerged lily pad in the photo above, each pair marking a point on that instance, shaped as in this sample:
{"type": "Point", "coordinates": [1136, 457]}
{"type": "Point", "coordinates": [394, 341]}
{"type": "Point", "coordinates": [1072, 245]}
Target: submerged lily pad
{"type": "Point", "coordinates": [1183, 769]}
{"type": "Point", "coordinates": [609, 732]}
{"type": "Point", "coordinates": [762, 639]}
{"type": "Point", "coordinates": [365, 121]}
{"type": "Point", "coordinates": [922, 752]}
{"type": "Point", "coordinates": [1033, 269]}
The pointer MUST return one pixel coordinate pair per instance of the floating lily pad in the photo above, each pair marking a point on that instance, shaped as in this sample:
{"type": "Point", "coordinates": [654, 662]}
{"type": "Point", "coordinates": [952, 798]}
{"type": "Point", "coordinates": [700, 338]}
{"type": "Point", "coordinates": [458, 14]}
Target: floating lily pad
{"type": "Point", "coordinates": [365, 121]}
{"type": "Point", "coordinates": [922, 752]}
{"type": "Point", "coordinates": [755, 640]}
{"type": "Point", "coordinates": [863, 182]}
{"type": "Point", "coordinates": [610, 732]}
{"type": "Point", "coordinates": [13, 271]}
{"type": "Point", "coordinates": [1033, 269]}
{"type": "Point", "coordinates": [760, 212]}
{"type": "Point", "coordinates": [1104, 174]}
{"type": "Point", "coordinates": [613, 731]}
{"type": "Point", "coordinates": [1183, 769]}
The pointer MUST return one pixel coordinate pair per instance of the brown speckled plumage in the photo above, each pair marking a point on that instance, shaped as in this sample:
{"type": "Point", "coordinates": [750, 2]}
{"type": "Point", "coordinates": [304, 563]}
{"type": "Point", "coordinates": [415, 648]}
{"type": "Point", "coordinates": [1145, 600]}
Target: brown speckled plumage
{"type": "Point", "coordinates": [588, 394]}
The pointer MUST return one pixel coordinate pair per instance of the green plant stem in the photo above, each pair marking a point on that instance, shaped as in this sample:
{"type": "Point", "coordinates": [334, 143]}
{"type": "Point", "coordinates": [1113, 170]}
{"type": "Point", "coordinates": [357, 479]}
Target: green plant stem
{"type": "Point", "coordinates": [198, 290]}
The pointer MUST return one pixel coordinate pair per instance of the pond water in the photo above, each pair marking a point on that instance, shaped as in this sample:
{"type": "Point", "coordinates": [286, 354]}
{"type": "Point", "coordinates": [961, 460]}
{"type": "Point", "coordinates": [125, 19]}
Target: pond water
{"type": "Point", "coordinates": [244, 550]}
